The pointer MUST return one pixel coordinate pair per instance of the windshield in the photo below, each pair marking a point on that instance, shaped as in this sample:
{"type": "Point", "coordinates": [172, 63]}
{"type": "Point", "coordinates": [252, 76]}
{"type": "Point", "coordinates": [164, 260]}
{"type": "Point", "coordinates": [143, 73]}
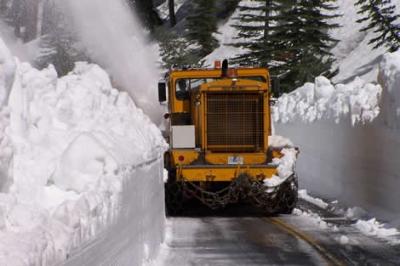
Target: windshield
{"type": "Point", "coordinates": [185, 86]}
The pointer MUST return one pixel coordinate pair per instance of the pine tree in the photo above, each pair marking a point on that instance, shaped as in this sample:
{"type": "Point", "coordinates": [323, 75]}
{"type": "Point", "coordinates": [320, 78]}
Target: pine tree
{"type": "Point", "coordinates": [174, 51]}
{"type": "Point", "coordinates": [257, 25]}
{"type": "Point", "coordinates": [289, 37]}
{"type": "Point", "coordinates": [381, 17]}
{"type": "Point", "coordinates": [201, 26]}
{"type": "Point", "coordinates": [307, 42]}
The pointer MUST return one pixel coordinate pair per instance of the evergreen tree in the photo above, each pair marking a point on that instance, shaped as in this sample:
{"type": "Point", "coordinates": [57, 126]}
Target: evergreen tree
{"type": "Point", "coordinates": [201, 25]}
{"type": "Point", "coordinates": [381, 17]}
{"type": "Point", "coordinates": [257, 26]}
{"type": "Point", "coordinates": [174, 51]}
{"type": "Point", "coordinates": [306, 41]}
{"type": "Point", "coordinates": [289, 37]}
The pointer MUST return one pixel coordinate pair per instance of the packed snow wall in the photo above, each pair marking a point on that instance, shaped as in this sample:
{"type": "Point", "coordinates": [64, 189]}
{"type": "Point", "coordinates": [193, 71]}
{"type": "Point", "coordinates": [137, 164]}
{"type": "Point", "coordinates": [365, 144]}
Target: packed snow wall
{"type": "Point", "coordinates": [80, 169]}
{"type": "Point", "coordinates": [355, 164]}
{"type": "Point", "coordinates": [135, 236]}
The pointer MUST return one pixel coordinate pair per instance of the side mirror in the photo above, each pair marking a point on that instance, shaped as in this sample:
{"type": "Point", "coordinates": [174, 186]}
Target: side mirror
{"type": "Point", "coordinates": [162, 92]}
{"type": "Point", "coordinates": [276, 87]}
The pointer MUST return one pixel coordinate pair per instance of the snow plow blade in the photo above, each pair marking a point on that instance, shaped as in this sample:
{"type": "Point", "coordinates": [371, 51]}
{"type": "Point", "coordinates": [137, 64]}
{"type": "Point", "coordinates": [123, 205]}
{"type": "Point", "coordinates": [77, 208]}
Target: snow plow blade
{"type": "Point", "coordinates": [224, 173]}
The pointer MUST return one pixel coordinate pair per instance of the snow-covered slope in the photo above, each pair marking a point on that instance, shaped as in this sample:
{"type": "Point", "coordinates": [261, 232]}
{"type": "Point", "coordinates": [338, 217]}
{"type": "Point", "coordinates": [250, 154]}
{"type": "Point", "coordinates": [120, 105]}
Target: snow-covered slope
{"type": "Point", "coordinates": [69, 147]}
{"type": "Point", "coordinates": [355, 58]}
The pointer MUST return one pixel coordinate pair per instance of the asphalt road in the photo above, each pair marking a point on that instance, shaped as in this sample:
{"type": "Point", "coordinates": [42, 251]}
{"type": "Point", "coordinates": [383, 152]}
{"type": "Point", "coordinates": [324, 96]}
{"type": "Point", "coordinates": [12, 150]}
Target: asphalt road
{"type": "Point", "coordinates": [242, 236]}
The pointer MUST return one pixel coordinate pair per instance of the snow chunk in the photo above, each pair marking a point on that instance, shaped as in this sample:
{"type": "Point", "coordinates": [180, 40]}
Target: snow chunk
{"type": "Point", "coordinates": [344, 240]}
{"type": "Point", "coordinates": [322, 100]}
{"type": "Point", "coordinates": [276, 141]}
{"type": "Point", "coordinates": [316, 201]}
{"type": "Point", "coordinates": [373, 228]}
{"type": "Point", "coordinates": [355, 213]}
{"type": "Point", "coordinates": [286, 166]}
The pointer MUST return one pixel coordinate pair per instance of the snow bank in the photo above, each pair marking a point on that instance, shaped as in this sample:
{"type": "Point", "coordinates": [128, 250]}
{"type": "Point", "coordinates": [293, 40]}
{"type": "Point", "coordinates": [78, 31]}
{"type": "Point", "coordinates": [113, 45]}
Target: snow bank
{"type": "Point", "coordinates": [75, 143]}
{"type": "Point", "coordinates": [356, 164]}
{"type": "Point", "coordinates": [322, 100]}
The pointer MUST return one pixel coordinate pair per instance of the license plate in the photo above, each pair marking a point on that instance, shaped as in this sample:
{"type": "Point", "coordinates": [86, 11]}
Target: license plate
{"type": "Point", "coordinates": [235, 160]}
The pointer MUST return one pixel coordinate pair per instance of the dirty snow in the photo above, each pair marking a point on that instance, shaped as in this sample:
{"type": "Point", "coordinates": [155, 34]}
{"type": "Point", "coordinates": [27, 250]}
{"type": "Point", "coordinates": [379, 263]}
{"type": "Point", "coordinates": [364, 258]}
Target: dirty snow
{"type": "Point", "coordinates": [323, 100]}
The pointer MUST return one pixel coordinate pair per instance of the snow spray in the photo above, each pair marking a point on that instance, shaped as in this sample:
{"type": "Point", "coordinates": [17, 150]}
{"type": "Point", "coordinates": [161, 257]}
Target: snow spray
{"type": "Point", "coordinates": [115, 39]}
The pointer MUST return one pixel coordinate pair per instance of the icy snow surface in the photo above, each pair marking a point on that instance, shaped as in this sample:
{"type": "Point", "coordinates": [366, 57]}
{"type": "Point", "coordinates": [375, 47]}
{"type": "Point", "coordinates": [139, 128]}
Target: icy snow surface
{"type": "Point", "coordinates": [322, 100]}
{"type": "Point", "coordinates": [66, 150]}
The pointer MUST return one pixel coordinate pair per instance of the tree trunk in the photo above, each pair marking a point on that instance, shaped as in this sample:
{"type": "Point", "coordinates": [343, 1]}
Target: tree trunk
{"type": "Point", "coordinates": [267, 20]}
{"type": "Point", "coordinates": [171, 7]}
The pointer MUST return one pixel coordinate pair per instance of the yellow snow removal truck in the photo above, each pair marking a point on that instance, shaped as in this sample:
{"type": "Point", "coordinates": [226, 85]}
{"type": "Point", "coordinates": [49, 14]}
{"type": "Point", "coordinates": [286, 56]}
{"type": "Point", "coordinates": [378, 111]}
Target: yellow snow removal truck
{"type": "Point", "coordinates": [219, 123]}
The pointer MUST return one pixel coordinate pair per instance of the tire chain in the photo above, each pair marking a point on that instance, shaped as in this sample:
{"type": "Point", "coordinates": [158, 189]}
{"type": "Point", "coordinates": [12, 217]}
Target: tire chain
{"type": "Point", "coordinates": [278, 199]}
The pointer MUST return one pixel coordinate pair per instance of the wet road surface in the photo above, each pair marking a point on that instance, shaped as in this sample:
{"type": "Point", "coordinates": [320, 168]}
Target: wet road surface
{"type": "Point", "coordinates": [226, 238]}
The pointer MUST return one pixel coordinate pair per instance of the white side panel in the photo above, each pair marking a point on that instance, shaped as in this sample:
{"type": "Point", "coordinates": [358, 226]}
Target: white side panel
{"type": "Point", "coordinates": [183, 137]}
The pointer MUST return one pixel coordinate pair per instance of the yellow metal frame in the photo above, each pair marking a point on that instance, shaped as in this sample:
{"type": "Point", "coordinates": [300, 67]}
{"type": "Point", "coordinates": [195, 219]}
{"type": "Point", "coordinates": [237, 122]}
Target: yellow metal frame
{"type": "Point", "coordinates": [189, 156]}
{"type": "Point", "coordinates": [215, 167]}
{"type": "Point", "coordinates": [180, 106]}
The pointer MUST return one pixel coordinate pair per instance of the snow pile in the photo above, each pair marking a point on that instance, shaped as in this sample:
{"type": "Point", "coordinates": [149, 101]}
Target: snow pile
{"type": "Point", "coordinates": [74, 140]}
{"type": "Point", "coordinates": [322, 100]}
{"type": "Point", "coordinates": [286, 165]}
{"type": "Point", "coordinates": [373, 228]}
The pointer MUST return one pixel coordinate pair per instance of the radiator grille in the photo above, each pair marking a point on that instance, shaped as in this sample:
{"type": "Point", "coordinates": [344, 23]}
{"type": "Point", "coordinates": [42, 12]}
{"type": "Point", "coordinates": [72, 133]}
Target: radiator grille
{"type": "Point", "coordinates": [235, 122]}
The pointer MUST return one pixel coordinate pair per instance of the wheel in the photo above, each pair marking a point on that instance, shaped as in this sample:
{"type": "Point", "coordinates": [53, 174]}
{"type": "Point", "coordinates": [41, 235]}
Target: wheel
{"type": "Point", "coordinates": [288, 195]}
{"type": "Point", "coordinates": [173, 198]}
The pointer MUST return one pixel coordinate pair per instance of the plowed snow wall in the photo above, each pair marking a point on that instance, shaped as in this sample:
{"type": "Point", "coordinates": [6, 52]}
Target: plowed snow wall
{"type": "Point", "coordinates": [136, 235]}
{"type": "Point", "coordinates": [358, 166]}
